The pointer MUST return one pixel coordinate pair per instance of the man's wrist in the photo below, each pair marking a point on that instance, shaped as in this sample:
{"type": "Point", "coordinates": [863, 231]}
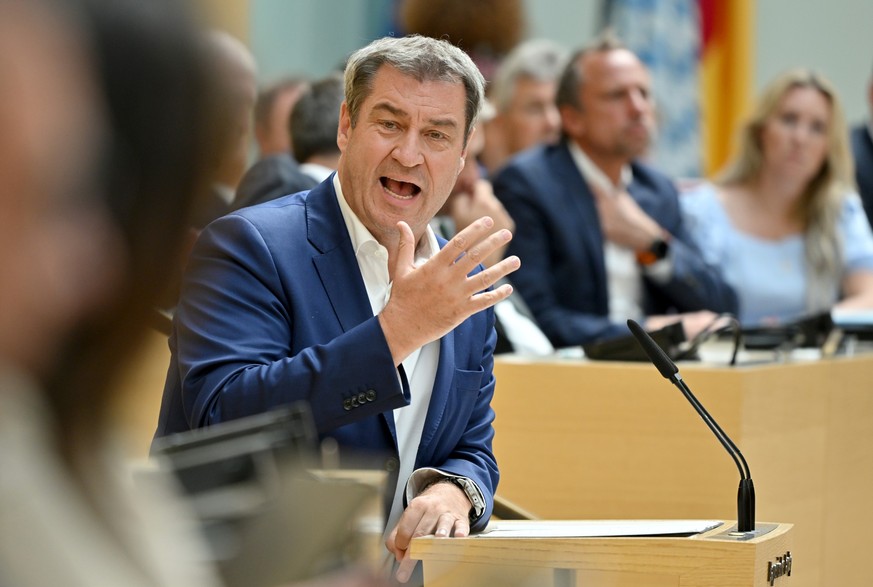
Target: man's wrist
{"type": "Point", "coordinates": [474, 496]}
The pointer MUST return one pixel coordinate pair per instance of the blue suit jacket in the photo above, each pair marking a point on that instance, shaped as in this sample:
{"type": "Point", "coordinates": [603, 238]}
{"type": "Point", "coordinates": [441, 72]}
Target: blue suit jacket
{"type": "Point", "coordinates": [862, 149]}
{"type": "Point", "coordinates": [274, 310]}
{"type": "Point", "coordinates": [558, 238]}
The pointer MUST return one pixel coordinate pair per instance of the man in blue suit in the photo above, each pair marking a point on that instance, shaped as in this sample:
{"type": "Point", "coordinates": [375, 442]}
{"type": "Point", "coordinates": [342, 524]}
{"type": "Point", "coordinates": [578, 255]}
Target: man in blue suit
{"type": "Point", "coordinates": [344, 297]}
{"type": "Point", "coordinates": [599, 232]}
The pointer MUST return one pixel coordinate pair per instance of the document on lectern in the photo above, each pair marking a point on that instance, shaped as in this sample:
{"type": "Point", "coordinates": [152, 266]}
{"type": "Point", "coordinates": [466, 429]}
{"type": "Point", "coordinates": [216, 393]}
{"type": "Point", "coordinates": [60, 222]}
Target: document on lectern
{"type": "Point", "coordinates": [596, 528]}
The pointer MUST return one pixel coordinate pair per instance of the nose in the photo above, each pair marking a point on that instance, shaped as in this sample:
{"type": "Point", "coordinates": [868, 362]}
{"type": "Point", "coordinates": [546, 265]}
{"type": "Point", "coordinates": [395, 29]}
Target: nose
{"type": "Point", "coordinates": [407, 150]}
{"type": "Point", "coordinates": [638, 101]}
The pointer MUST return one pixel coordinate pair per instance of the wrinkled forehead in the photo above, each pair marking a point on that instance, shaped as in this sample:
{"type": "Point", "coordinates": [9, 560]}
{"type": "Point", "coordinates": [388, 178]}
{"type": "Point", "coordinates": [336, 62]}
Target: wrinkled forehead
{"type": "Point", "coordinates": [615, 66]}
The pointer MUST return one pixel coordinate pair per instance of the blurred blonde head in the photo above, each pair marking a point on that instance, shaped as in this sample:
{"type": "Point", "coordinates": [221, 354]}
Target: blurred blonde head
{"type": "Point", "coordinates": [822, 197]}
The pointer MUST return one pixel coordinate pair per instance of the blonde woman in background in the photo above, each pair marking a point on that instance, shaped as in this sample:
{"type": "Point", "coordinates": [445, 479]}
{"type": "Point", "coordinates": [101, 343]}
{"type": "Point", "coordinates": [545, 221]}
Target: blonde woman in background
{"type": "Point", "coordinates": [783, 221]}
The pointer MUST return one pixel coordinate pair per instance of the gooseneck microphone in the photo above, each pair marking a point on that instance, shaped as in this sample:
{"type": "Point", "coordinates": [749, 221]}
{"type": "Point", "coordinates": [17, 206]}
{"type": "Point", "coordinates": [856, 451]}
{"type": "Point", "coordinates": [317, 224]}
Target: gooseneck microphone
{"type": "Point", "coordinates": [746, 493]}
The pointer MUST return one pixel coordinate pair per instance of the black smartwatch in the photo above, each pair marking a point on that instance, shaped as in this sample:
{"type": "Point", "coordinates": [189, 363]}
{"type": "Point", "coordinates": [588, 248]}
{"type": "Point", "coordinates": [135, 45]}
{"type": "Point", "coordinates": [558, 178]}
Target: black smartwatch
{"type": "Point", "coordinates": [657, 251]}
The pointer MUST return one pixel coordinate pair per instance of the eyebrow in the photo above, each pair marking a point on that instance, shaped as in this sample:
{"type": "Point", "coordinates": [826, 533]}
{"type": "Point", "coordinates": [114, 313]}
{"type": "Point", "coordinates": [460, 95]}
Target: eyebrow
{"type": "Point", "coordinates": [400, 113]}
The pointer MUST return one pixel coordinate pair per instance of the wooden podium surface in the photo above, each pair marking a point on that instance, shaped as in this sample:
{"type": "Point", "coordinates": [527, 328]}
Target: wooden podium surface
{"type": "Point", "coordinates": [600, 440]}
{"type": "Point", "coordinates": [703, 560]}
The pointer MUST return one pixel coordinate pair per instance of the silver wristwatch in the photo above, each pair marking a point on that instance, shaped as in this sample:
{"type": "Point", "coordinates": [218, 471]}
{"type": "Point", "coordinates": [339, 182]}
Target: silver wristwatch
{"type": "Point", "coordinates": [473, 494]}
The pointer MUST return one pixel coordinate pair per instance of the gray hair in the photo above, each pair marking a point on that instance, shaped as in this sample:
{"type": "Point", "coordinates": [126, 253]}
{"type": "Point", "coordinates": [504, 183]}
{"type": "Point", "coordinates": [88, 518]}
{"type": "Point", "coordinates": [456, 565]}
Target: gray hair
{"type": "Point", "coordinates": [422, 58]}
{"type": "Point", "coordinates": [538, 59]}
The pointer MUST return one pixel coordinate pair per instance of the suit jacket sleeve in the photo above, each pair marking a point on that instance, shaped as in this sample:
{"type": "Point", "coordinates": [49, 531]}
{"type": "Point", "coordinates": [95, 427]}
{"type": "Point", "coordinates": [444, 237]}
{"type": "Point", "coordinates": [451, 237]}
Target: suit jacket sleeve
{"type": "Point", "coordinates": [246, 339]}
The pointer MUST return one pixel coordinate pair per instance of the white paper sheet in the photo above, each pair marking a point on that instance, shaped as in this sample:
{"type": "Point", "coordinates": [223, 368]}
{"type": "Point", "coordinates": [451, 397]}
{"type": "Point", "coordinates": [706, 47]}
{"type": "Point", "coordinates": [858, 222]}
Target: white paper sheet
{"type": "Point", "coordinates": [595, 528]}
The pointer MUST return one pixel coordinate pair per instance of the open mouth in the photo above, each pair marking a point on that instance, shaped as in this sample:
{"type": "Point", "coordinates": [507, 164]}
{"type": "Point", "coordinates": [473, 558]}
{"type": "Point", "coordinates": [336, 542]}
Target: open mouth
{"type": "Point", "coordinates": [400, 189]}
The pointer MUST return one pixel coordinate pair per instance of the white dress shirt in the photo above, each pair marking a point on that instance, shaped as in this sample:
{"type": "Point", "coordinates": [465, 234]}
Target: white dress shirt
{"type": "Point", "coordinates": [420, 366]}
{"type": "Point", "coordinates": [624, 277]}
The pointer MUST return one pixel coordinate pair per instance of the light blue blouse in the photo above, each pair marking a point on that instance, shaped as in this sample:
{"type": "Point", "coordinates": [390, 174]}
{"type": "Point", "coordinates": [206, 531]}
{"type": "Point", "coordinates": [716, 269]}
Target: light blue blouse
{"type": "Point", "coordinates": [769, 276]}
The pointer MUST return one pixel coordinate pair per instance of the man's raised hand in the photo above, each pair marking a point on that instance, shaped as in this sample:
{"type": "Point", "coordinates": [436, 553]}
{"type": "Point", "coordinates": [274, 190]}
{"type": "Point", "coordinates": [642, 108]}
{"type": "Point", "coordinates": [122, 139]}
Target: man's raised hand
{"type": "Point", "coordinates": [432, 299]}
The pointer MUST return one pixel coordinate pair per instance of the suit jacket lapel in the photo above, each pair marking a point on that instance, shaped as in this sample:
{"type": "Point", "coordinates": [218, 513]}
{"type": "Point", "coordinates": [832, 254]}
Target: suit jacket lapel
{"type": "Point", "coordinates": [337, 265]}
{"type": "Point", "coordinates": [335, 262]}
{"type": "Point", "coordinates": [582, 200]}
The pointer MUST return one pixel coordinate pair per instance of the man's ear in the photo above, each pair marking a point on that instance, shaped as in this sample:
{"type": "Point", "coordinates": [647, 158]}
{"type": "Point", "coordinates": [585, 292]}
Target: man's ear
{"type": "Point", "coordinates": [463, 159]}
{"type": "Point", "coordinates": [572, 120]}
{"type": "Point", "coordinates": [344, 128]}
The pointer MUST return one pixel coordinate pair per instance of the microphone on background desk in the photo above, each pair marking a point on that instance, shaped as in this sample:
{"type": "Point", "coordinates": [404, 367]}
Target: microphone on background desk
{"type": "Point", "coordinates": [746, 493]}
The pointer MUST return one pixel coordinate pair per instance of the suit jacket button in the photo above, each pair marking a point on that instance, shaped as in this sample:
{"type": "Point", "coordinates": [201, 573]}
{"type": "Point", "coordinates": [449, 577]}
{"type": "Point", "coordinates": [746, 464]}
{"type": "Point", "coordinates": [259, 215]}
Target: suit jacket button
{"type": "Point", "coordinates": [354, 401]}
{"type": "Point", "coordinates": [391, 464]}
{"type": "Point", "coordinates": [362, 398]}
{"type": "Point", "coordinates": [347, 405]}
{"type": "Point", "coordinates": [371, 395]}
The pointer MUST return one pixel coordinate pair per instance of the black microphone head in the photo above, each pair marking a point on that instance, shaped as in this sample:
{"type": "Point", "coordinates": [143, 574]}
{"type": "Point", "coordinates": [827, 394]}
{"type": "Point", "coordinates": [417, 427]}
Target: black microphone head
{"type": "Point", "coordinates": [656, 354]}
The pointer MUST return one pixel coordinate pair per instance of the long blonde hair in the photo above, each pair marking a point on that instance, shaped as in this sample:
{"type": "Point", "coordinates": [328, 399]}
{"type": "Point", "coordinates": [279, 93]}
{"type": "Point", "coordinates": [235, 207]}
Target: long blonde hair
{"type": "Point", "coordinates": [823, 197]}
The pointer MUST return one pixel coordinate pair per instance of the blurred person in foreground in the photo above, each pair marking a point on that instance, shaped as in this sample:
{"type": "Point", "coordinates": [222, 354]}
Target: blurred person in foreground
{"type": "Point", "coordinates": [344, 297]}
{"type": "Point", "coordinates": [97, 177]}
{"type": "Point", "coordinates": [523, 94]}
{"type": "Point", "coordinates": [783, 221]}
{"type": "Point", "coordinates": [599, 231]}
{"type": "Point", "coordinates": [862, 149]}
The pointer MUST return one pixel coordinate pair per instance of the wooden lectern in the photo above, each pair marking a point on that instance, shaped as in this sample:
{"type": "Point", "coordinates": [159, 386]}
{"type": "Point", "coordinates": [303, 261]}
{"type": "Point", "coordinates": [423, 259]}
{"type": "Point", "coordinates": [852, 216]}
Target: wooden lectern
{"type": "Point", "coordinates": [585, 440]}
{"type": "Point", "coordinates": [525, 559]}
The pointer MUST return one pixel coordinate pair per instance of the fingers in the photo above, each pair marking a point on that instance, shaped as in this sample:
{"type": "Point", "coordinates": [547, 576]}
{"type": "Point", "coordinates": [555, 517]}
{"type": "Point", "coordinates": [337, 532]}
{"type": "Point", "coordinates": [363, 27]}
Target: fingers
{"type": "Point", "coordinates": [447, 525]}
{"type": "Point", "coordinates": [470, 248]}
{"type": "Point", "coordinates": [405, 259]}
{"type": "Point", "coordinates": [441, 293]}
{"type": "Point", "coordinates": [404, 570]}
{"type": "Point", "coordinates": [472, 239]}
{"type": "Point", "coordinates": [442, 526]}
{"type": "Point", "coordinates": [391, 545]}
{"type": "Point", "coordinates": [473, 245]}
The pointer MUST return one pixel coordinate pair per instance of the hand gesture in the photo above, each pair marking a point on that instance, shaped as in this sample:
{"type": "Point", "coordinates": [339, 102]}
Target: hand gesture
{"type": "Point", "coordinates": [467, 207]}
{"type": "Point", "coordinates": [430, 300]}
{"type": "Point", "coordinates": [623, 222]}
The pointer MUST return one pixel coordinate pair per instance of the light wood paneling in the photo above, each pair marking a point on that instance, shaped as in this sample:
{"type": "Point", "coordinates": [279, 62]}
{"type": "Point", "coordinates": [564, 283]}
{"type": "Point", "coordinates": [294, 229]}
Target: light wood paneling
{"type": "Point", "coordinates": [585, 440]}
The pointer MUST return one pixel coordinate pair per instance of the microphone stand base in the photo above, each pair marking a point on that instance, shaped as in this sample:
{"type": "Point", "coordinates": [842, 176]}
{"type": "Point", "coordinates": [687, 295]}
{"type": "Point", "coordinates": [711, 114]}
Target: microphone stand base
{"type": "Point", "coordinates": [735, 536]}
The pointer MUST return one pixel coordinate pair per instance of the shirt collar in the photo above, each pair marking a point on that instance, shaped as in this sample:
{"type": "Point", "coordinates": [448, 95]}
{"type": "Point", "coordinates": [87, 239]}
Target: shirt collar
{"type": "Point", "coordinates": [363, 240]}
{"type": "Point", "coordinates": [593, 174]}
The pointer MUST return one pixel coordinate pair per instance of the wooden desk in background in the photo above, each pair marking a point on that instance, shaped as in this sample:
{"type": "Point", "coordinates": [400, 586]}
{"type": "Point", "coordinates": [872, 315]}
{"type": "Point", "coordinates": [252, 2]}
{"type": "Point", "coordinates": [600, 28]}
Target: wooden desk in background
{"type": "Point", "coordinates": [586, 440]}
